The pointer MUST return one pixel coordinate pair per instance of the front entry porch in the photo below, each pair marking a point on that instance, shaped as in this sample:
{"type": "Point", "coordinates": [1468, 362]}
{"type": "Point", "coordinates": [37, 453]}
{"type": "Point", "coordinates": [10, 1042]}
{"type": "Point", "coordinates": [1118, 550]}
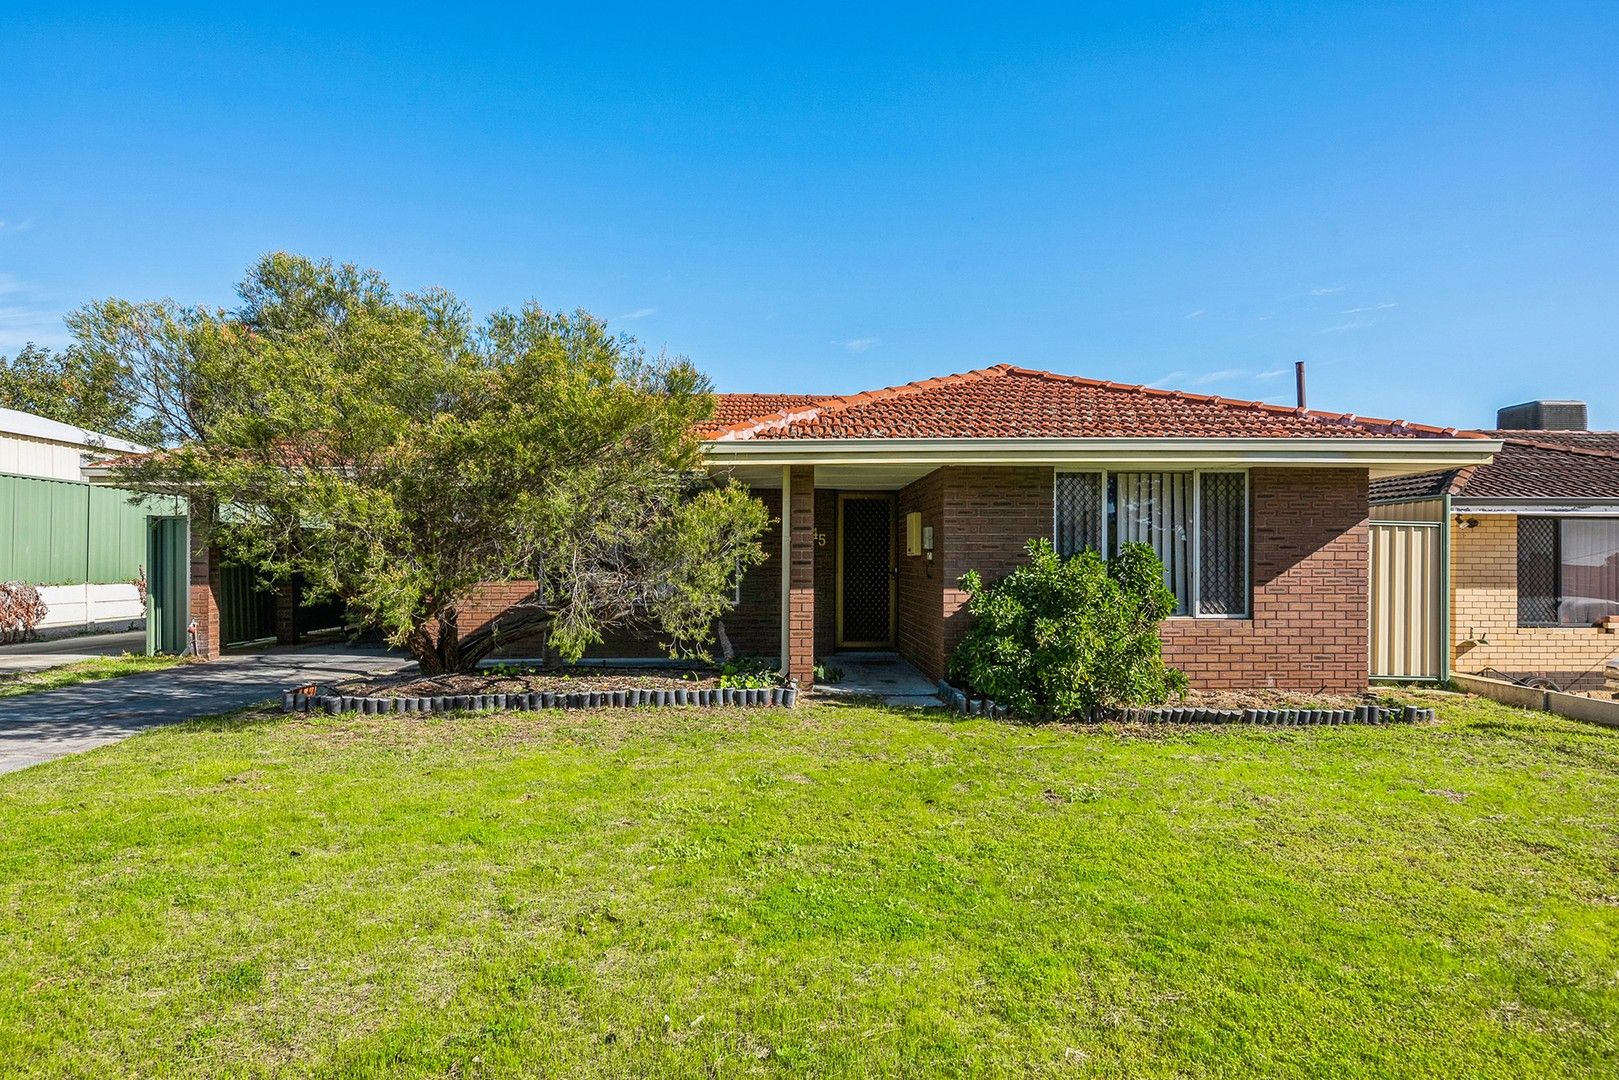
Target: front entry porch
{"type": "Point", "coordinates": [847, 582]}
{"type": "Point", "coordinates": [885, 675]}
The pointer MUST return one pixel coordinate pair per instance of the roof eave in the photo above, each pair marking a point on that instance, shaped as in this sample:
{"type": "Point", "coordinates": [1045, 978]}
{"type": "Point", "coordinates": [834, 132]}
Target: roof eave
{"type": "Point", "coordinates": [1388, 457]}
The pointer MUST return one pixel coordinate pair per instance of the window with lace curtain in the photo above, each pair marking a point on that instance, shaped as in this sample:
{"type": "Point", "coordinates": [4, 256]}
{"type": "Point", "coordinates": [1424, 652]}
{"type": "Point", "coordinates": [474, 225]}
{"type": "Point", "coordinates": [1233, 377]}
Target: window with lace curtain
{"type": "Point", "coordinates": [1197, 522]}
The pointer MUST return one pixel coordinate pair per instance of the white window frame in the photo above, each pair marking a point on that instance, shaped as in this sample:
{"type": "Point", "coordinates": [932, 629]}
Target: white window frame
{"type": "Point", "coordinates": [1194, 603]}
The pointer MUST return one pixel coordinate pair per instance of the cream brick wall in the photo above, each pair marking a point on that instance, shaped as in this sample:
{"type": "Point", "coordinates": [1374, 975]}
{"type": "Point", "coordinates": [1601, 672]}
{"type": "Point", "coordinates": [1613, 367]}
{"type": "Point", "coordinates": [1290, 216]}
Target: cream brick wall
{"type": "Point", "coordinates": [1484, 603]}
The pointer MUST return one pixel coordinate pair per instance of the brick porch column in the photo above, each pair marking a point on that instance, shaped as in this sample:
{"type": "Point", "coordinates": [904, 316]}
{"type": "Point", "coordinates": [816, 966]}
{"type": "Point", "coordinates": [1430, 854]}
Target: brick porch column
{"type": "Point", "coordinates": [286, 613]}
{"type": "Point", "coordinates": [204, 587]}
{"type": "Point", "coordinates": [798, 573]}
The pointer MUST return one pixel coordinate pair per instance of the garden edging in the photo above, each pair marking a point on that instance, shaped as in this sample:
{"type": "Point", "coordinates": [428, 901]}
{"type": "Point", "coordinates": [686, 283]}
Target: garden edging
{"type": "Point", "coordinates": [958, 701]}
{"type": "Point", "coordinates": [303, 699]}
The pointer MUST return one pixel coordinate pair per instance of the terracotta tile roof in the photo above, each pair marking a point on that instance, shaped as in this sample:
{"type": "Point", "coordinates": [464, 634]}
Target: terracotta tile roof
{"type": "Point", "coordinates": [1531, 465]}
{"type": "Point", "coordinates": [734, 408]}
{"type": "Point", "coordinates": [1006, 402]}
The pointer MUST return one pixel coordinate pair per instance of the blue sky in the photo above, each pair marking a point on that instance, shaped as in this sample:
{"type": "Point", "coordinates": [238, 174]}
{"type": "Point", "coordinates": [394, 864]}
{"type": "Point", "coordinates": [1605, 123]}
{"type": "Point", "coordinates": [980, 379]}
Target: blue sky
{"type": "Point", "coordinates": [1419, 200]}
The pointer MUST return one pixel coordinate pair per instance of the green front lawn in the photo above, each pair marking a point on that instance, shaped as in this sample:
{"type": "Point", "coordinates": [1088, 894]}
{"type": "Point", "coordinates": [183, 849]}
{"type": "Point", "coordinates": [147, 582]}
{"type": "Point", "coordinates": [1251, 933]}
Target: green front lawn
{"type": "Point", "coordinates": [82, 671]}
{"type": "Point", "coordinates": [827, 891]}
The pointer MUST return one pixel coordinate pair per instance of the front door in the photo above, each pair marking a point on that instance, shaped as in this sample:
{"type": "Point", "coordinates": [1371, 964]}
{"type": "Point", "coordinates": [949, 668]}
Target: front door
{"type": "Point", "coordinates": [865, 571]}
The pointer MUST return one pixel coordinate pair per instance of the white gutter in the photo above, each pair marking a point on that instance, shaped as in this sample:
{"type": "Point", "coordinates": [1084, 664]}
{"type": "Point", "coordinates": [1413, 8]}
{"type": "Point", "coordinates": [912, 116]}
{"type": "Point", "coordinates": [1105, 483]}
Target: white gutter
{"type": "Point", "coordinates": [1406, 455]}
{"type": "Point", "coordinates": [1587, 507]}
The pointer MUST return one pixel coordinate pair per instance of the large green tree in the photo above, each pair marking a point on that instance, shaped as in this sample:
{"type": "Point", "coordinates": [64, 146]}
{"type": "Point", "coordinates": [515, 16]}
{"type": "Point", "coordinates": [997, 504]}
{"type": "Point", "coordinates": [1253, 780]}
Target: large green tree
{"type": "Point", "coordinates": [73, 387]}
{"type": "Point", "coordinates": [396, 454]}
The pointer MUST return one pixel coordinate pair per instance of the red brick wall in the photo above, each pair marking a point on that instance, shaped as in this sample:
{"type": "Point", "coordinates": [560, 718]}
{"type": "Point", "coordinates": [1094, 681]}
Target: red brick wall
{"type": "Point", "coordinates": [1309, 551]}
{"type": "Point", "coordinates": [1310, 567]}
{"type": "Point", "coordinates": [989, 515]}
{"type": "Point", "coordinates": [754, 626]}
{"type": "Point", "coordinates": [203, 596]}
{"type": "Point", "coordinates": [801, 605]}
{"type": "Point", "coordinates": [826, 572]}
{"type": "Point", "coordinates": [1310, 592]}
{"type": "Point", "coordinates": [919, 596]}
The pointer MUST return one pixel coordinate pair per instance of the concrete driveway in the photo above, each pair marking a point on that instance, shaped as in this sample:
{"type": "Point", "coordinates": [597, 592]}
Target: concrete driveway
{"type": "Point", "coordinates": [51, 723]}
{"type": "Point", "coordinates": [39, 655]}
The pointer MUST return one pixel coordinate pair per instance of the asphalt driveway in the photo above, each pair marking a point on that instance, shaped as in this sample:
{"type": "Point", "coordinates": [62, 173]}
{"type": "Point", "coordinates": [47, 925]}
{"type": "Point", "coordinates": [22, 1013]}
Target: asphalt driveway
{"type": "Point", "coordinates": [51, 723]}
{"type": "Point", "coordinates": [39, 655]}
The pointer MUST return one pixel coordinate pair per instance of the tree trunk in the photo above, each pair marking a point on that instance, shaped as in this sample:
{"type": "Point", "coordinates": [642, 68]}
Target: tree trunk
{"type": "Point", "coordinates": [440, 648]}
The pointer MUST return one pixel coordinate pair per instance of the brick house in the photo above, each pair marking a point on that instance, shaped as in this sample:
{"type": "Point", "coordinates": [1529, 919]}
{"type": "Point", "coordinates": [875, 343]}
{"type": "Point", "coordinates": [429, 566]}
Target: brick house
{"type": "Point", "coordinates": [882, 500]}
{"type": "Point", "coordinates": [1532, 544]}
{"type": "Point", "coordinates": [1259, 512]}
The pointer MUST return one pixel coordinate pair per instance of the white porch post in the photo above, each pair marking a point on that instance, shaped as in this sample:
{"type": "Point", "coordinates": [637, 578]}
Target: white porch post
{"type": "Point", "coordinates": [786, 565]}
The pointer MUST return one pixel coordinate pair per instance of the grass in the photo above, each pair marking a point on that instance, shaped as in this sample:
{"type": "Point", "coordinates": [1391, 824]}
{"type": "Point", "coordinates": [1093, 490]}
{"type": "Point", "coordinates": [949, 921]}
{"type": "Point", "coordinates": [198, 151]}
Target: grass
{"type": "Point", "coordinates": [830, 891]}
{"type": "Point", "coordinates": [82, 671]}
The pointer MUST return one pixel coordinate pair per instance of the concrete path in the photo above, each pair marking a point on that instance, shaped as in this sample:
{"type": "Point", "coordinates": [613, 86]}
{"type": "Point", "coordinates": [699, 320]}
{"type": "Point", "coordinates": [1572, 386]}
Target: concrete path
{"type": "Point", "coordinates": [886, 675]}
{"type": "Point", "coordinates": [51, 723]}
{"type": "Point", "coordinates": [39, 655]}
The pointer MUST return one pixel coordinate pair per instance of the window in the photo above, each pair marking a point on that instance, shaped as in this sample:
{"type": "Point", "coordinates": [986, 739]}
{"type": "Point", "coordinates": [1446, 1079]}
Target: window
{"type": "Point", "coordinates": [1568, 570]}
{"type": "Point", "coordinates": [1197, 522]}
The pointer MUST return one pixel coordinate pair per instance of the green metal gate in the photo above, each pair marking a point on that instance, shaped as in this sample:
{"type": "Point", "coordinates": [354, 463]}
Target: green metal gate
{"type": "Point", "coordinates": [167, 578]}
{"type": "Point", "coordinates": [246, 607]}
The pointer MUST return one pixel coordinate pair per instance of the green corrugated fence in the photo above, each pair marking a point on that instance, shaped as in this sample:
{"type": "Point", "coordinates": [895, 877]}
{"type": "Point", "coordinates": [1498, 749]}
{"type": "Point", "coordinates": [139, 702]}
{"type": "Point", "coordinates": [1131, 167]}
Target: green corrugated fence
{"type": "Point", "coordinates": [58, 532]}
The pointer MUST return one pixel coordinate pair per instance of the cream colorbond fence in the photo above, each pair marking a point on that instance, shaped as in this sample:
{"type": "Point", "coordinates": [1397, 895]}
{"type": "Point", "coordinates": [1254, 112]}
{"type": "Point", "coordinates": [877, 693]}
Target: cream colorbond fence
{"type": "Point", "coordinates": [1408, 600]}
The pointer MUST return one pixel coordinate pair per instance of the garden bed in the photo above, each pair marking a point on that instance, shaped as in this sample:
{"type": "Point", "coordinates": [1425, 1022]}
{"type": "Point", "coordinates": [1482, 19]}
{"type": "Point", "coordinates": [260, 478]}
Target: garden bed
{"type": "Point", "coordinates": [530, 681]}
{"type": "Point", "coordinates": [1226, 707]}
{"type": "Point", "coordinates": [595, 688]}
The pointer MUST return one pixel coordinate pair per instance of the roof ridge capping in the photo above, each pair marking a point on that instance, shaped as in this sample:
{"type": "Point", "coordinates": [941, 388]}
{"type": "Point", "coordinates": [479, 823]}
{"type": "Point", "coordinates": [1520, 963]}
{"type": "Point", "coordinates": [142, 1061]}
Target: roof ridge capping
{"type": "Point", "coordinates": [1349, 419]}
{"type": "Point", "coordinates": [840, 402]}
{"type": "Point", "coordinates": [747, 429]}
{"type": "Point", "coordinates": [1561, 448]}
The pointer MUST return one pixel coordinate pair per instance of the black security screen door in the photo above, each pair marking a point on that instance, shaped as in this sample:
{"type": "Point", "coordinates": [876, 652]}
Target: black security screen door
{"type": "Point", "coordinates": [865, 583]}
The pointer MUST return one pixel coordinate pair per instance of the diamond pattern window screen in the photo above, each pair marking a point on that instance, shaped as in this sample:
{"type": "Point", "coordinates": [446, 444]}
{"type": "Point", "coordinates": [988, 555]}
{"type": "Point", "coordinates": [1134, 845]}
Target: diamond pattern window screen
{"type": "Point", "coordinates": [1079, 512]}
{"type": "Point", "coordinates": [1537, 571]}
{"type": "Point", "coordinates": [1568, 571]}
{"type": "Point", "coordinates": [1222, 553]}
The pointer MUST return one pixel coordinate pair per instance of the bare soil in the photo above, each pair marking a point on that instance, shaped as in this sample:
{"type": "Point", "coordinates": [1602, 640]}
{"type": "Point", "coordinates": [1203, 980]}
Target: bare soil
{"type": "Point", "coordinates": [1272, 699]}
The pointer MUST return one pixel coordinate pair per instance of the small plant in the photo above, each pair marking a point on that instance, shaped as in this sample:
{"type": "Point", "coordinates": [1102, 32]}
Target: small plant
{"type": "Point", "coordinates": [510, 671]}
{"type": "Point", "coordinates": [750, 673]}
{"type": "Point", "coordinates": [826, 672]}
{"type": "Point", "coordinates": [1063, 636]}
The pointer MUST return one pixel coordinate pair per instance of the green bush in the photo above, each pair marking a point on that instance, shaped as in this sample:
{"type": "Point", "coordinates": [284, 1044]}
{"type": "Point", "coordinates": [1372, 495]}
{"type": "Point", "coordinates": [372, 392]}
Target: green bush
{"type": "Point", "coordinates": [1063, 636]}
{"type": "Point", "coordinates": [750, 673]}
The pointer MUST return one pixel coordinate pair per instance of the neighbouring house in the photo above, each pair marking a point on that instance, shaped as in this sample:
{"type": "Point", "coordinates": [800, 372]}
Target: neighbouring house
{"type": "Point", "coordinates": [84, 547]}
{"type": "Point", "coordinates": [1531, 541]}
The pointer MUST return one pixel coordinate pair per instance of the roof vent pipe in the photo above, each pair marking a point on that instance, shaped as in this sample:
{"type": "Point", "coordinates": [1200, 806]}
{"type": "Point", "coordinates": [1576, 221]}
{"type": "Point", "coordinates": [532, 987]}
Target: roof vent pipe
{"type": "Point", "coordinates": [1298, 379]}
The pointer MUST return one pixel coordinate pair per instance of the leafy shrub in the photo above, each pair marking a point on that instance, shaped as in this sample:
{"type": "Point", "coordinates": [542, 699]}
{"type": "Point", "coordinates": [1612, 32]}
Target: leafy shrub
{"type": "Point", "coordinates": [750, 673]}
{"type": "Point", "coordinates": [1063, 636]}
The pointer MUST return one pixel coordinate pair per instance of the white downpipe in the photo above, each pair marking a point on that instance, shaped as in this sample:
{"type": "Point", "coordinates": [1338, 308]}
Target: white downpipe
{"type": "Point", "coordinates": [786, 565]}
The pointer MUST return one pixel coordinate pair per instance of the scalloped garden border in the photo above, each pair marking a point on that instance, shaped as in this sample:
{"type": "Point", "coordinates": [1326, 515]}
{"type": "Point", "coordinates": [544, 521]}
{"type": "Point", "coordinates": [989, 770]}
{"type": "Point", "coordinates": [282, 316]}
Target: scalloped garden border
{"type": "Point", "coordinates": [299, 700]}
